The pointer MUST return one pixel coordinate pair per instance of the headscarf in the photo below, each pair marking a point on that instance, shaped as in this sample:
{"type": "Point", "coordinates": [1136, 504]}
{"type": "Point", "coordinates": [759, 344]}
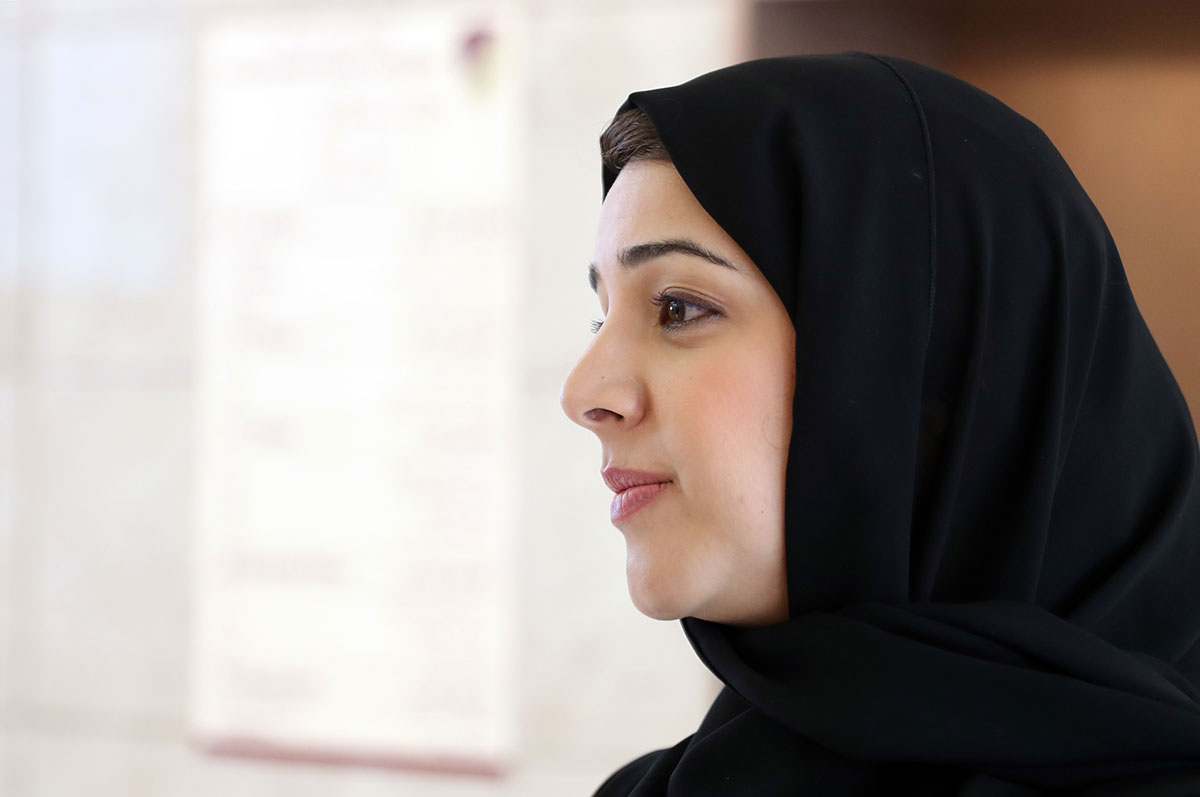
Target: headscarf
{"type": "Point", "coordinates": [992, 509]}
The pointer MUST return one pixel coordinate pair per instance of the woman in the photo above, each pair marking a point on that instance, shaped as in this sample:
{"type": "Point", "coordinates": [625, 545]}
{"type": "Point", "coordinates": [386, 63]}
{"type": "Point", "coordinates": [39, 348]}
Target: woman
{"type": "Point", "coordinates": [930, 505]}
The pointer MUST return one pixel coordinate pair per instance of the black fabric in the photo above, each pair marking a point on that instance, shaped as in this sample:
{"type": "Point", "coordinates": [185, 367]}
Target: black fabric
{"type": "Point", "coordinates": [993, 499]}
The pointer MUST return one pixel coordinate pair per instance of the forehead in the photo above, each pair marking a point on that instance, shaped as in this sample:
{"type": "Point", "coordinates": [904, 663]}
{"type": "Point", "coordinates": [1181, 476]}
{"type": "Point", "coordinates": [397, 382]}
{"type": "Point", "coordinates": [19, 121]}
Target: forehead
{"type": "Point", "coordinates": [650, 201]}
{"type": "Point", "coordinates": [646, 196]}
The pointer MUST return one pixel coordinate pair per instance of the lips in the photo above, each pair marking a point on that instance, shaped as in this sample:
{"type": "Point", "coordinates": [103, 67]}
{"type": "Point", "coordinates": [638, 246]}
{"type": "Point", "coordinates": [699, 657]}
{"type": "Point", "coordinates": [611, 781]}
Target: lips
{"type": "Point", "coordinates": [620, 479]}
{"type": "Point", "coordinates": [634, 489]}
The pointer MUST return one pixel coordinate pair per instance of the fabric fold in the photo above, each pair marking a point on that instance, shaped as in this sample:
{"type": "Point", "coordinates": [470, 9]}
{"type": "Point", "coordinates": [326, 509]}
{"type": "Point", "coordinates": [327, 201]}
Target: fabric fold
{"type": "Point", "coordinates": [959, 684]}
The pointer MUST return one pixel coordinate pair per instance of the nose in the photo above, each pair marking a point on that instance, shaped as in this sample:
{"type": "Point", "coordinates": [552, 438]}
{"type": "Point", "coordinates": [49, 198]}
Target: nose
{"type": "Point", "coordinates": [603, 391]}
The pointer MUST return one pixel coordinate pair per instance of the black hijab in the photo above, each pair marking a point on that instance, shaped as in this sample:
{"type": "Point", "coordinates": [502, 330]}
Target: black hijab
{"type": "Point", "coordinates": [993, 493]}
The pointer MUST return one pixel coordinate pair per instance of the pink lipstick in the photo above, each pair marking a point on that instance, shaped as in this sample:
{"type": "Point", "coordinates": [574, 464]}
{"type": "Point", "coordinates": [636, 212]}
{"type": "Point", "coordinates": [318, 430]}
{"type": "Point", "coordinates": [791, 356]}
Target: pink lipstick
{"type": "Point", "coordinates": [634, 489]}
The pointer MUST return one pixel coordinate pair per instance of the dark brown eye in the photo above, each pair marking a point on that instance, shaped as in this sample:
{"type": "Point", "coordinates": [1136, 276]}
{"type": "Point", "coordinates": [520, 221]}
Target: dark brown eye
{"type": "Point", "coordinates": [673, 311]}
{"type": "Point", "coordinates": [676, 311]}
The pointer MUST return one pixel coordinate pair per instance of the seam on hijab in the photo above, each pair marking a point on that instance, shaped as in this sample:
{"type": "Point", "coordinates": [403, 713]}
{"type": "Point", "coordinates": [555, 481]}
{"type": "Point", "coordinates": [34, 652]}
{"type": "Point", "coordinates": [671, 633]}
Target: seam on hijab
{"type": "Point", "coordinates": [931, 192]}
{"type": "Point", "coordinates": [925, 139]}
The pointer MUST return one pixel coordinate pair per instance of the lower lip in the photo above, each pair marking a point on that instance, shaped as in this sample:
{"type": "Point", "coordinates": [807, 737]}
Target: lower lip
{"type": "Point", "coordinates": [626, 502]}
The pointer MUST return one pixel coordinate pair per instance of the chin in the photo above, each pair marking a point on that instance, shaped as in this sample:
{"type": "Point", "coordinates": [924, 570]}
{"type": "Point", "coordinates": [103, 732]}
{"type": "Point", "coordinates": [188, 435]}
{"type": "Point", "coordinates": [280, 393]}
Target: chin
{"type": "Point", "coordinates": [659, 614]}
{"type": "Point", "coordinates": [659, 604]}
{"type": "Point", "coordinates": [663, 589]}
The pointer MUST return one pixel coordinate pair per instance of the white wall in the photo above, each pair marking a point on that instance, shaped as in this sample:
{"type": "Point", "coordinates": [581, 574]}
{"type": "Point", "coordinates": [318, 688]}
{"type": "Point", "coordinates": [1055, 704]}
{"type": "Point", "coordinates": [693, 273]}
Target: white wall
{"type": "Point", "coordinates": [97, 127]}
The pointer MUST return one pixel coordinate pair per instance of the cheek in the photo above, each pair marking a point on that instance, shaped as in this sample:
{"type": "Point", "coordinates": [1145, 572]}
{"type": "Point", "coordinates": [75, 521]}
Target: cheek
{"type": "Point", "coordinates": [733, 421]}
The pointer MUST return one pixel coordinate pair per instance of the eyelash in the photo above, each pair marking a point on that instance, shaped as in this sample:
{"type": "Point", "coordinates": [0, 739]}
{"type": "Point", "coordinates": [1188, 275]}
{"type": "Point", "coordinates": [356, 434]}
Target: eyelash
{"type": "Point", "coordinates": [674, 326]}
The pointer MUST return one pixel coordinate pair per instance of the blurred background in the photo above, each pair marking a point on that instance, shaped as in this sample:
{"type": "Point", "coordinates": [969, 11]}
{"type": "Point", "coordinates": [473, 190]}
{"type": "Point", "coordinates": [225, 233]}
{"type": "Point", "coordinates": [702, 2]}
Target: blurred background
{"type": "Point", "coordinates": [288, 289]}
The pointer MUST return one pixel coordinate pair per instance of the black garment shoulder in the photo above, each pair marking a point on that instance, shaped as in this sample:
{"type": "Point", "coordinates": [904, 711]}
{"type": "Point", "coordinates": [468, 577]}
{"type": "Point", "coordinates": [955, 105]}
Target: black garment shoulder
{"type": "Point", "coordinates": [623, 781]}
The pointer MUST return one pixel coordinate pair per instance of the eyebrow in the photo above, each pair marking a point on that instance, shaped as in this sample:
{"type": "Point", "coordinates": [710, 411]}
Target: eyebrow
{"type": "Point", "coordinates": [633, 256]}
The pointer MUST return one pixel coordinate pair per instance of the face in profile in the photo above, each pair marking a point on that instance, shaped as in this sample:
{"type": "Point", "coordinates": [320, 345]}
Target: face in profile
{"type": "Point", "coordinates": [689, 379]}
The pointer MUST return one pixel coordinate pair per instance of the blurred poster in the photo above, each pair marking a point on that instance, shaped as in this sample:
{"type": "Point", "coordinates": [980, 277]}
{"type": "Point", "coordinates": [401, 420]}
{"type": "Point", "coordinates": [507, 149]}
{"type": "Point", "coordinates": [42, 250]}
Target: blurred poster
{"type": "Point", "coordinates": [358, 253]}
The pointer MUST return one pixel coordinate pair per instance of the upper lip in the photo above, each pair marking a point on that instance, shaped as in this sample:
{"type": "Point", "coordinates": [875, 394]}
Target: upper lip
{"type": "Point", "coordinates": [621, 479]}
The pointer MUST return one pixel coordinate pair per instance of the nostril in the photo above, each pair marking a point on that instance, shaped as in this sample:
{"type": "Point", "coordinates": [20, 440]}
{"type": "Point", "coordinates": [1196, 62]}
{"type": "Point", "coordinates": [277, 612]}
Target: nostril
{"type": "Point", "coordinates": [597, 413]}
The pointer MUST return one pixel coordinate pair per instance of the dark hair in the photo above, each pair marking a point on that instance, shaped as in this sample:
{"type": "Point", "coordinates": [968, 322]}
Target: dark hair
{"type": "Point", "coordinates": [630, 136]}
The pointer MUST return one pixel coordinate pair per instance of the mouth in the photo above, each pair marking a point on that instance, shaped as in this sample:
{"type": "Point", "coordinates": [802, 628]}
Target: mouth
{"type": "Point", "coordinates": [619, 479]}
{"type": "Point", "coordinates": [631, 499]}
{"type": "Point", "coordinates": [634, 489]}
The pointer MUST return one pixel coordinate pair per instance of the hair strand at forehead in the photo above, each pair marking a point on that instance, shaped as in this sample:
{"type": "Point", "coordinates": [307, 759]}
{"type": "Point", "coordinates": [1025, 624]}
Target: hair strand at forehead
{"type": "Point", "coordinates": [629, 137]}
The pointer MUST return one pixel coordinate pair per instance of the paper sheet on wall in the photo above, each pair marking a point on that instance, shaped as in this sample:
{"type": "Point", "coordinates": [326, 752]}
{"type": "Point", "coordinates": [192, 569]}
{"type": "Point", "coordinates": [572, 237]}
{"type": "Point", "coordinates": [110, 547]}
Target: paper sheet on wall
{"type": "Point", "coordinates": [358, 246]}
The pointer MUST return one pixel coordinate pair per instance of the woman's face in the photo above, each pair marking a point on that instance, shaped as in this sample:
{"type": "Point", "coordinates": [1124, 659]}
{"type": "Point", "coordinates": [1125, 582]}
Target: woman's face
{"type": "Point", "coordinates": [690, 376]}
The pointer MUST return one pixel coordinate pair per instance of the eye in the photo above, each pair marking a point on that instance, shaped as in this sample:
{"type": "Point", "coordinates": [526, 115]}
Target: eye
{"type": "Point", "coordinates": [673, 313]}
